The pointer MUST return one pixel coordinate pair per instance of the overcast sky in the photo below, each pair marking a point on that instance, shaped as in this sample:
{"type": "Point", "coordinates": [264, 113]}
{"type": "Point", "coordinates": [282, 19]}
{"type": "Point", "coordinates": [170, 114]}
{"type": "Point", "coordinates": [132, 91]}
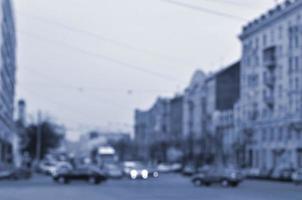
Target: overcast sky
{"type": "Point", "coordinates": [91, 63]}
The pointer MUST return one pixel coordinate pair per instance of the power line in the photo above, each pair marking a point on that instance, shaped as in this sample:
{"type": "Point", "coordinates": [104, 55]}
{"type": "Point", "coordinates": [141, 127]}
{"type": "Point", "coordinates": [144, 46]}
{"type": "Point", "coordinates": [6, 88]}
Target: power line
{"type": "Point", "coordinates": [77, 88]}
{"type": "Point", "coordinates": [62, 84]}
{"type": "Point", "coordinates": [205, 10]}
{"type": "Point", "coordinates": [103, 38]}
{"type": "Point", "coordinates": [102, 57]}
{"type": "Point", "coordinates": [230, 3]}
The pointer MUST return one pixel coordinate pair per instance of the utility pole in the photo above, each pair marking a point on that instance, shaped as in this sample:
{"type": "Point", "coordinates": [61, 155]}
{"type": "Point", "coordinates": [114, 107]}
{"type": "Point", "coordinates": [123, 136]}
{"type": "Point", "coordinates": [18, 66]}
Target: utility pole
{"type": "Point", "coordinates": [39, 136]}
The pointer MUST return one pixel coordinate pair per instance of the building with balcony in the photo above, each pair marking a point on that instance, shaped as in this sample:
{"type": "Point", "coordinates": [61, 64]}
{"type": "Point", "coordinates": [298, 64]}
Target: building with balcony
{"type": "Point", "coordinates": [268, 114]}
{"type": "Point", "coordinates": [8, 137]}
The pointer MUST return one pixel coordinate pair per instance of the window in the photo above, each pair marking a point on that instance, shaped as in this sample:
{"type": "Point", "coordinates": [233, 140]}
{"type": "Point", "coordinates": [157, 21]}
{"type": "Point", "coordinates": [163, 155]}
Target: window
{"type": "Point", "coordinates": [290, 65]}
{"type": "Point", "coordinates": [296, 64]}
{"type": "Point", "coordinates": [280, 88]}
{"type": "Point", "coordinates": [280, 134]}
{"type": "Point", "coordinates": [264, 135]}
{"type": "Point", "coordinates": [264, 40]}
{"type": "Point", "coordinates": [280, 29]}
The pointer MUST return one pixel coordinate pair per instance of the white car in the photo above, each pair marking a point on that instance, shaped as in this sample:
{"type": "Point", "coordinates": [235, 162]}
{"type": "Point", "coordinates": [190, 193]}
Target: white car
{"type": "Point", "coordinates": [51, 168]}
{"type": "Point", "coordinates": [297, 177]}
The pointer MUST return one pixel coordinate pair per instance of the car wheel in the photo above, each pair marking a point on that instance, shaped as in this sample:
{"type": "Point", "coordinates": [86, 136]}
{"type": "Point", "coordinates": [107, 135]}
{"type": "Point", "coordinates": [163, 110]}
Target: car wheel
{"type": "Point", "coordinates": [63, 180]}
{"type": "Point", "coordinates": [234, 184]}
{"type": "Point", "coordinates": [207, 184]}
{"type": "Point", "coordinates": [93, 180]}
{"type": "Point", "coordinates": [197, 182]}
{"type": "Point", "coordinates": [225, 183]}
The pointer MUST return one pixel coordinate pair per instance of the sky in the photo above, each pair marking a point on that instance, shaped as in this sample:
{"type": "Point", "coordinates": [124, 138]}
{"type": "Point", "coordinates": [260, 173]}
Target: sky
{"type": "Point", "coordinates": [89, 64]}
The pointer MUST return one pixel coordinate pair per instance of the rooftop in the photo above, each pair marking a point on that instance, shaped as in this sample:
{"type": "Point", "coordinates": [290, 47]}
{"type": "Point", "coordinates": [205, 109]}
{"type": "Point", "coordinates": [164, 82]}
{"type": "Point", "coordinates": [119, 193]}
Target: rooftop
{"type": "Point", "coordinates": [270, 16]}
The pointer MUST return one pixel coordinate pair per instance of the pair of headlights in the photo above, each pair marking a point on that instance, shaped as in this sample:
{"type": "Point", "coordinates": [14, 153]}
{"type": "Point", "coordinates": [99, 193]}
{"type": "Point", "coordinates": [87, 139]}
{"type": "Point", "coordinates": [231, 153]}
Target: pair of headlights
{"type": "Point", "coordinates": [134, 174]}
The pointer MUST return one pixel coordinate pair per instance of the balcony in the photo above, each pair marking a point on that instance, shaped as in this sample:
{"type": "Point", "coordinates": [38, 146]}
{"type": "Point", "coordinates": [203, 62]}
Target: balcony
{"type": "Point", "coordinates": [269, 80]}
{"type": "Point", "coordinates": [269, 58]}
{"type": "Point", "coordinates": [296, 121]}
{"type": "Point", "coordinates": [268, 98]}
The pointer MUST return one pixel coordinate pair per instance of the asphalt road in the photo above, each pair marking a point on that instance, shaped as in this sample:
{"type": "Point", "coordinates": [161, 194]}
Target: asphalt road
{"type": "Point", "coordinates": [166, 187]}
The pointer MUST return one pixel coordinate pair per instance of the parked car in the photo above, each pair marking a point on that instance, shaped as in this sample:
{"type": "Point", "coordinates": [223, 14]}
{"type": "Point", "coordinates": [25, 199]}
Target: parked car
{"type": "Point", "coordinates": [51, 168]}
{"type": "Point", "coordinates": [296, 176]}
{"type": "Point", "coordinates": [46, 167]}
{"type": "Point", "coordinates": [225, 177]}
{"type": "Point", "coordinates": [286, 174]}
{"type": "Point", "coordinates": [176, 167]}
{"type": "Point", "coordinates": [5, 174]}
{"type": "Point", "coordinates": [90, 174]}
{"type": "Point", "coordinates": [20, 173]}
{"type": "Point", "coordinates": [165, 168]}
{"type": "Point", "coordinates": [253, 173]}
{"type": "Point", "coordinates": [136, 170]}
{"type": "Point", "coordinates": [188, 170]}
{"type": "Point", "coordinates": [113, 170]}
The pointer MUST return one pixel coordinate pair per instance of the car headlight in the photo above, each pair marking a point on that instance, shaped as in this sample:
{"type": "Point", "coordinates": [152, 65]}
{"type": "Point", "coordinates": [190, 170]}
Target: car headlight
{"type": "Point", "coordinates": [145, 174]}
{"type": "Point", "coordinates": [133, 174]}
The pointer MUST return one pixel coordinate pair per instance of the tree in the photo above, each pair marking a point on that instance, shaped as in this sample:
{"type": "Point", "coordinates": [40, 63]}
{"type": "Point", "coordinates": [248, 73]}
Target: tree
{"type": "Point", "coordinates": [51, 138]}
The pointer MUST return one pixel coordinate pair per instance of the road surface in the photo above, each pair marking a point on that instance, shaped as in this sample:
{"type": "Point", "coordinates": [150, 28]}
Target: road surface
{"type": "Point", "coordinates": [167, 187]}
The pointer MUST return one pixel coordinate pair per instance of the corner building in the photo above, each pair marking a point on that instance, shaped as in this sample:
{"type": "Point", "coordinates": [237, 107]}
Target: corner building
{"type": "Point", "coordinates": [8, 137]}
{"type": "Point", "coordinates": [269, 113]}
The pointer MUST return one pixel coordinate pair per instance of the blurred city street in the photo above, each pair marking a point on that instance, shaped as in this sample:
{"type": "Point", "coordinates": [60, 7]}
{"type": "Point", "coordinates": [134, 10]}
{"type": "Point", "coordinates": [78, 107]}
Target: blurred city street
{"type": "Point", "coordinates": [166, 187]}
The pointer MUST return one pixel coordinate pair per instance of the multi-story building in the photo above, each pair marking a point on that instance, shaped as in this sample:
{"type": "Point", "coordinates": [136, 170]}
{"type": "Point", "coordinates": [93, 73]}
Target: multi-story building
{"type": "Point", "coordinates": [269, 113]}
{"type": "Point", "coordinates": [194, 117]}
{"type": "Point", "coordinates": [152, 134]}
{"type": "Point", "coordinates": [8, 138]}
{"type": "Point", "coordinates": [175, 119]}
{"type": "Point", "coordinates": [223, 88]}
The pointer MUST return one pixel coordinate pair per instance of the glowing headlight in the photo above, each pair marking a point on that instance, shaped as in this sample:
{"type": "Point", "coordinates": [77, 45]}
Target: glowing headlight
{"type": "Point", "coordinates": [133, 174]}
{"type": "Point", "coordinates": [145, 174]}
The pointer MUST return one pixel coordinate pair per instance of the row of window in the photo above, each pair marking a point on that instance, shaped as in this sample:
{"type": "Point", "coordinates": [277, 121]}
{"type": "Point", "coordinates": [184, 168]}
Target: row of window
{"type": "Point", "coordinates": [280, 134]}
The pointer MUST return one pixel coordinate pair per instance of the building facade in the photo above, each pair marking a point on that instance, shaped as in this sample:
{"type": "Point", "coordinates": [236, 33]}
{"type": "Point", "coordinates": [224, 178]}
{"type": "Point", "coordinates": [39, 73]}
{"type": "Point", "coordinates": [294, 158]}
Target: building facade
{"type": "Point", "coordinates": [8, 137]}
{"type": "Point", "coordinates": [194, 117]}
{"type": "Point", "coordinates": [269, 113]}
{"type": "Point", "coordinates": [223, 91]}
{"type": "Point", "coordinates": [175, 119]}
{"type": "Point", "coordinates": [152, 131]}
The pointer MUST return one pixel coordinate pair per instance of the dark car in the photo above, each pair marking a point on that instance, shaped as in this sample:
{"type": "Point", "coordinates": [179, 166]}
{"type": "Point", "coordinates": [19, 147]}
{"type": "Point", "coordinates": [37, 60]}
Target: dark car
{"type": "Point", "coordinates": [21, 173]}
{"type": "Point", "coordinates": [90, 174]}
{"type": "Point", "coordinates": [225, 177]}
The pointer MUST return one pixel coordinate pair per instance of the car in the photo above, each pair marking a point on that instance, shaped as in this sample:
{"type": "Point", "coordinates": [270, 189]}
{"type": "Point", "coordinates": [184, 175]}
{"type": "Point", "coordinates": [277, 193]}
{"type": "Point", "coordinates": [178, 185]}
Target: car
{"type": "Point", "coordinates": [188, 170]}
{"type": "Point", "coordinates": [46, 167]}
{"type": "Point", "coordinates": [20, 173]}
{"type": "Point", "coordinates": [113, 171]}
{"type": "Point", "coordinates": [164, 168]}
{"type": "Point", "coordinates": [90, 174]}
{"type": "Point", "coordinates": [153, 171]}
{"type": "Point", "coordinates": [225, 177]}
{"type": "Point", "coordinates": [5, 174]}
{"type": "Point", "coordinates": [61, 167]}
{"type": "Point", "coordinates": [296, 177]}
{"type": "Point", "coordinates": [136, 170]}
{"type": "Point", "coordinates": [286, 174]}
